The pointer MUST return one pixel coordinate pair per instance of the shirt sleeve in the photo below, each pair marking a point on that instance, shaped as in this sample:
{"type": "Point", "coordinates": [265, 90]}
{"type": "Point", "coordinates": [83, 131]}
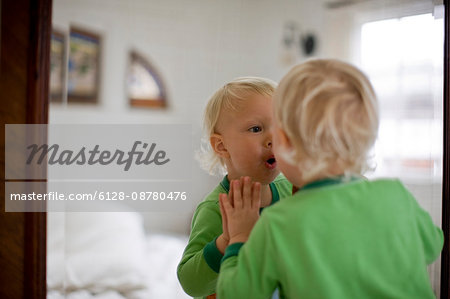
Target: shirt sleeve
{"type": "Point", "coordinates": [197, 270]}
{"type": "Point", "coordinates": [432, 236]}
{"type": "Point", "coordinates": [284, 187]}
{"type": "Point", "coordinates": [252, 273]}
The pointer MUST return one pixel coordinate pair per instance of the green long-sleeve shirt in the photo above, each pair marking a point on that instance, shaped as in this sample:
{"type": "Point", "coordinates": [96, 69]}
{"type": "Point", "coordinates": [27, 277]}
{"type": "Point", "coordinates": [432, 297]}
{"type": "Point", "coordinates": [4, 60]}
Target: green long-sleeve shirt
{"type": "Point", "coordinates": [200, 263]}
{"type": "Point", "coordinates": [334, 239]}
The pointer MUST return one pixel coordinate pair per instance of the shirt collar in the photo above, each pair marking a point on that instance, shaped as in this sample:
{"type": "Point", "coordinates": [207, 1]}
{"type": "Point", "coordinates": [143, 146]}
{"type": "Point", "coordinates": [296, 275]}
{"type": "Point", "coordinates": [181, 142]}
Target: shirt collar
{"type": "Point", "coordinates": [328, 181]}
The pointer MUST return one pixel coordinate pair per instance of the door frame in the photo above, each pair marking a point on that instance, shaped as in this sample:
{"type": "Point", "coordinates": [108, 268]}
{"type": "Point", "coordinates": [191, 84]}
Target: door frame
{"type": "Point", "coordinates": [24, 84]}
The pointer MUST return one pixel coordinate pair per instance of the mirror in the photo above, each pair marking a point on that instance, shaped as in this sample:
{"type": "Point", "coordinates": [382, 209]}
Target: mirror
{"type": "Point", "coordinates": [196, 47]}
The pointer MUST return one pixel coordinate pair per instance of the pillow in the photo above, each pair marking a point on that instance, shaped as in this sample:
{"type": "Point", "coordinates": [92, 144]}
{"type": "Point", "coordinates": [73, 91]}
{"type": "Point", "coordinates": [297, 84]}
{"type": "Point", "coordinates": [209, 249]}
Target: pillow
{"type": "Point", "coordinates": [83, 294]}
{"type": "Point", "coordinates": [101, 251]}
{"type": "Point", "coordinates": [163, 255]}
{"type": "Point", "coordinates": [55, 250]}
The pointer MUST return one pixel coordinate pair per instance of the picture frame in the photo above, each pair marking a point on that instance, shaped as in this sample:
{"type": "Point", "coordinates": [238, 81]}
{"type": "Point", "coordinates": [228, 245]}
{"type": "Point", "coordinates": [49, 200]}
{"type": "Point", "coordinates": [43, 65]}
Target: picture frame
{"type": "Point", "coordinates": [58, 44]}
{"type": "Point", "coordinates": [145, 87]}
{"type": "Point", "coordinates": [83, 80]}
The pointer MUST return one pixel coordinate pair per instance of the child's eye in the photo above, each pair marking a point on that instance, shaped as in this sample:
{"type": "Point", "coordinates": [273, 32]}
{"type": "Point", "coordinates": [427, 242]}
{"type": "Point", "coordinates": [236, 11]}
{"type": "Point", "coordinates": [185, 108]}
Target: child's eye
{"type": "Point", "coordinates": [255, 129]}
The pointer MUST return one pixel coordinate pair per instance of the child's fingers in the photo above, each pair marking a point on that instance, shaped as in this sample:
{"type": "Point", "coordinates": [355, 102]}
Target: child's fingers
{"type": "Point", "coordinates": [242, 180]}
{"type": "Point", "coordinates": [237, 194]}
{"type": "Point", "coordinates": [225, 200]}
{"type": "Point", "coordinates": [247, 192]}
{"type": "Point", "coordinates": [241, 189]}
{"type": "Point", "coordinates": [225, 208]}
{"type": "Point", "coordinates": [222, 198]}
{"type": "Point", "coordinates": [256, 195]}
{"type": "Point", "coordinates": [231, 194]}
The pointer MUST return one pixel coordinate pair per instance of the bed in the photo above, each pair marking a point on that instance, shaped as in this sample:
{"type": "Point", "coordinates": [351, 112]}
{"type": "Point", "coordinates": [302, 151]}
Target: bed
{"type": "Point", "coordinates": [109, 256]}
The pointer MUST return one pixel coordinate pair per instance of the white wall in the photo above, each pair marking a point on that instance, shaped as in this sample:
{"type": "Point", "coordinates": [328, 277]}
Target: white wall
{"type": "Point", "coordinates": [196, 46]}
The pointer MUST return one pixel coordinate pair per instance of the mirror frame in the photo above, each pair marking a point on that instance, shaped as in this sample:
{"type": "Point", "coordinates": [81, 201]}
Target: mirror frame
{"type": "Point", "coordinates": [445, 256]}
{"type": "Point", "coordinates": [24, 267]}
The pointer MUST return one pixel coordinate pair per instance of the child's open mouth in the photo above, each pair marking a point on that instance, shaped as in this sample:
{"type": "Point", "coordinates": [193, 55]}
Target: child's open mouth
{"type": "Point", "coordinates": [271, 163]}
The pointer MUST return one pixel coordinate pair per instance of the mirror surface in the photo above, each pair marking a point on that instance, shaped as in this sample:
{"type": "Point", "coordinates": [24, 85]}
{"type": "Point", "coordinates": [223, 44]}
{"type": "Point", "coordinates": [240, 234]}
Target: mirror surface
{"type": "Point", "coordinates": [197, 46]}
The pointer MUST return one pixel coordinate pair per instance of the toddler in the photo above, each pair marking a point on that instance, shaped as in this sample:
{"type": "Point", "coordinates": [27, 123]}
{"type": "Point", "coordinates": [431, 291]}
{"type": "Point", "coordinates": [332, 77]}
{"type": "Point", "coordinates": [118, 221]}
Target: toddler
{"type": "Point", "coordinates": [339, 235]}
{"type": "Point", "coordinates": [238, 121]}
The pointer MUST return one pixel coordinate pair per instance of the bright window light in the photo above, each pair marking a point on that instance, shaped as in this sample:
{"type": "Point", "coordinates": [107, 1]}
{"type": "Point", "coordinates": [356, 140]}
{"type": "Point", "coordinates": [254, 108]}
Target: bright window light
{"type": "Point", "coordinates": [403, 59]}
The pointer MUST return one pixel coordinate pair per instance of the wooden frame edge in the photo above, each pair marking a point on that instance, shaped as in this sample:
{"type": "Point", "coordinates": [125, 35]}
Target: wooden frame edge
{"type": "Point", "coordinates": [445, 257]}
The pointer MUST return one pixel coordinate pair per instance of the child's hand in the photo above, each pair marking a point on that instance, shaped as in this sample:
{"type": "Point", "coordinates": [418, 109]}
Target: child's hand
{"type": "Point", "coordinates": [223, 240]}
{"type": "Point", "coordinates": [241, 210]}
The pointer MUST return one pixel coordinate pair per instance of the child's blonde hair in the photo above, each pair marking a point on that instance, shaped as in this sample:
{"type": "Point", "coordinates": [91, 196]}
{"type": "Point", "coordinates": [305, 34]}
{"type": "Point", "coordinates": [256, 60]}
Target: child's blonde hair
{"type": "Point", "coordinates": [238, 89]}
{"type": "Point", "coordinates": [329, 111]}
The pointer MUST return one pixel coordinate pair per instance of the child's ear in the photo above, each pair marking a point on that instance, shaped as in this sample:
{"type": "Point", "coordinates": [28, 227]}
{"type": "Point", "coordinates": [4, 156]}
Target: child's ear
{"type": "Point", "coordinates": [216, 141]}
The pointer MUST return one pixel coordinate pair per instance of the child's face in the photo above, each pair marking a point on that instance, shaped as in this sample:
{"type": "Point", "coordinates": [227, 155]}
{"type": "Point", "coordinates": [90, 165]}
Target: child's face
{"type": "Point", "coordinates": [247, 137]}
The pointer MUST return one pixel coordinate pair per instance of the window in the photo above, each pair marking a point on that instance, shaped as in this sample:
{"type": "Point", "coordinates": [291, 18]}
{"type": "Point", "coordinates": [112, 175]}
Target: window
{"type": "Point", "coordinates": [403, 58]}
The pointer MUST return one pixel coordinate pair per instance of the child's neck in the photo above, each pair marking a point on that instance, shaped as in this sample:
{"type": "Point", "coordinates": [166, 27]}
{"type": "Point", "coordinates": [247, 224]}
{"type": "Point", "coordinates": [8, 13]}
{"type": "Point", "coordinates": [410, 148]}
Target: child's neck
{"type": "Point", "coordinates": [266, 196]}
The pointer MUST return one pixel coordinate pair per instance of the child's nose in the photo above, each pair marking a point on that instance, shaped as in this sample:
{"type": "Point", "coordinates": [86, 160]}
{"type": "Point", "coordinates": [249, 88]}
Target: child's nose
{"type": "Point", "coordinates": [268, 142]}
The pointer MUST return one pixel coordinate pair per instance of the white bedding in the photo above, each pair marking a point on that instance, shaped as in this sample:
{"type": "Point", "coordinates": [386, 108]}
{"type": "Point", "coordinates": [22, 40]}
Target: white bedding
{"type": "Point", "coordinates": [108, 256]}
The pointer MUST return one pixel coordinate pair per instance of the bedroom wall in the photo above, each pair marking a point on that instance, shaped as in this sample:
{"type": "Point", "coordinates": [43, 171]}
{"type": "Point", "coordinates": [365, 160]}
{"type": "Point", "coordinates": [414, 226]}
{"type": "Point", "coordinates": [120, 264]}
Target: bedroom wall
{"type": "Point", "coordinates": [199, 45]}
{"type": "Point", "coordinates": [196, 46]}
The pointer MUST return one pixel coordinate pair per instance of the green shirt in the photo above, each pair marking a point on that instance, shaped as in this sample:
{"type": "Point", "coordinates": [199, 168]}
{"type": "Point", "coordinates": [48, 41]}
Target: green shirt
{"type": "Point", "coordinates": [358, 239]}
{"type": "Point", "coordinates": [200, 264]}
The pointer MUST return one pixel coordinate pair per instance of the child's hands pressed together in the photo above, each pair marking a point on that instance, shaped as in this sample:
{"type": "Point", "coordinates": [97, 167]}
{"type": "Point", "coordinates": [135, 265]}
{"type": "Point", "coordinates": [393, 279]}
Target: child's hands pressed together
{"type": "Point", "coordinates": [224, 239]}
{"type": "Point", "coordinates": [240, 209]}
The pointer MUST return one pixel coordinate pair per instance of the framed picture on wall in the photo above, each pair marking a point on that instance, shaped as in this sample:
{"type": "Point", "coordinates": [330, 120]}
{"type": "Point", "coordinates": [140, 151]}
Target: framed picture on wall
{"type": "Point", "coordinates": [84, 66]}
{"type": "Point", "coordinates": [145, 87]}
{"type": "Point", "coordinates": [57, 66]}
